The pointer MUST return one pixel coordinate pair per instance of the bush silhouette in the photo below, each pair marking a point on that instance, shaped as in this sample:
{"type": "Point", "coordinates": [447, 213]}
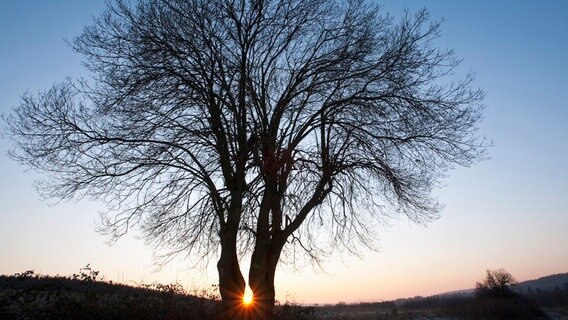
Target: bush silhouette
{"type": "Point", "coordinates": [85, 296]}
{"type": "Point", "coordinates": [494, 299]}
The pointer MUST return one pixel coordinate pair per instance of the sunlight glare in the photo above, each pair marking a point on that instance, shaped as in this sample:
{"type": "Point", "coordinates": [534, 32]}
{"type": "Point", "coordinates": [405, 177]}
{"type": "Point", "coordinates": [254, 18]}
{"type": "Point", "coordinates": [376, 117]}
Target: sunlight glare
{"type": "Point", "coordinates": [247, 297]}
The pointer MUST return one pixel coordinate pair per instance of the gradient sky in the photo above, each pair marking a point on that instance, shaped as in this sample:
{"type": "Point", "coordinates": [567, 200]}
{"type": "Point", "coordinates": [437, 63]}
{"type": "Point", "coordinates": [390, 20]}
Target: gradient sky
{"type": "Point", "coordinates": [508, 212]}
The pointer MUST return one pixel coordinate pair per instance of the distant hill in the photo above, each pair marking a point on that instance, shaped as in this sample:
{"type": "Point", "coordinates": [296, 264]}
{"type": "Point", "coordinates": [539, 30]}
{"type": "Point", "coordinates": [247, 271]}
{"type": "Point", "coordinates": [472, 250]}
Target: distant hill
{"type": "Point", "coordinates": [547, 283]}
{"type": "Point", "coordinates": [542, 298]}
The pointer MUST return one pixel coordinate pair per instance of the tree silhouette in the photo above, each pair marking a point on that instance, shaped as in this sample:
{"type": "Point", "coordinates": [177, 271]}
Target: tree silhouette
{"type": "Point", "coordinates": [497, 284]}
{"type": "Point", "coordinates": [252, 125]}
{"type": "Point", "coordinates": [495, 299]}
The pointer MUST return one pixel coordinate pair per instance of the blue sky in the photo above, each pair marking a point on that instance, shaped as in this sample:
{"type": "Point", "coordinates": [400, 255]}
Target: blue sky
{"type": "Point", "coordinates": [510, 211]}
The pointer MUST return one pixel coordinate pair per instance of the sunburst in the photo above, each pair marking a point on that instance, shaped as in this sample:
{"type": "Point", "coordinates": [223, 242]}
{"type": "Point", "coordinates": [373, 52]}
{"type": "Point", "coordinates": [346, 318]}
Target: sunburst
{"type": "Point", "coordinates": [247, 298]}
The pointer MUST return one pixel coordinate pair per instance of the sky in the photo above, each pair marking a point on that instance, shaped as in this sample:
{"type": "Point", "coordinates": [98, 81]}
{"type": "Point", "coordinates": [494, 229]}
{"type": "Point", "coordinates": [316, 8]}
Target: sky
{"type": "Point", "coordinates": [510, 211]}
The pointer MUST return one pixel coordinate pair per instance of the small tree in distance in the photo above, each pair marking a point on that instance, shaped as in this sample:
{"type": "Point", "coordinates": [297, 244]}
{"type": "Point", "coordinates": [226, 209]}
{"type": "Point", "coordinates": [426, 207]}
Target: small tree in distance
{"type": "Point", "coordinates": [495, 299]}
{"type": "Point", "coordinates": [497, 283]}
{"type": "Point", "coordinates": [223, 127]}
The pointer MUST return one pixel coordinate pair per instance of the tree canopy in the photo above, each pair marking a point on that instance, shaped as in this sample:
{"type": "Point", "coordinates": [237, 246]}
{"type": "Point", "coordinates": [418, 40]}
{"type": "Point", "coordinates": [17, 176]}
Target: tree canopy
{"type": "Point", "coordinates": [253, 125]}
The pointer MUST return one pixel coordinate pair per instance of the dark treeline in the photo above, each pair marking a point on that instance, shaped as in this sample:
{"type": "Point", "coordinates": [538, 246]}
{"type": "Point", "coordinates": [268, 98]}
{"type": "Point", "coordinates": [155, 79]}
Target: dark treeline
{"type": "Point", "coordinates": [85, 295]}
{"type": "Point", "coordinates": [473, 307]}
{"type": "Point", "coordinates": [491, 305]}
{"type": "Point", "coordinates": [557, 297]}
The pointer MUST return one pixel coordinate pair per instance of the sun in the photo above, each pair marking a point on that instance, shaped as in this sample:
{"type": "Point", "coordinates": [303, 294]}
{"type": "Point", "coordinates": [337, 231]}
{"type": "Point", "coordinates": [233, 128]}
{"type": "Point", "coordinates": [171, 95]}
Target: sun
{"type": "Point", "coordinates": [247, 298]}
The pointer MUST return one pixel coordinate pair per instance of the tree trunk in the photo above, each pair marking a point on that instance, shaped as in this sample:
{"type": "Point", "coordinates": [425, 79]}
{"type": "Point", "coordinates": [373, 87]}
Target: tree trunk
{"type": "Point", "coordinates": [261, 279]}
{"type": "Point", "coordinates": [231, 281]}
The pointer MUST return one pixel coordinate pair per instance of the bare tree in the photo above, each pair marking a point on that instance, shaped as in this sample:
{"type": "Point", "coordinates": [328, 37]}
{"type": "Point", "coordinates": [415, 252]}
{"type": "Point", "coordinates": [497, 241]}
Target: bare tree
{"type": "Point", "coordinates": [497, 284]}
{"type": "Point", "coordinates": [252, 125]}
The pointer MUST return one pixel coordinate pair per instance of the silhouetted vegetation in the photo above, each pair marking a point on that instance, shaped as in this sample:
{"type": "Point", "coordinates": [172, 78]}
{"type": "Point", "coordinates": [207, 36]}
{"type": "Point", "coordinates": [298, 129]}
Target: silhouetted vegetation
{"type": "Point", "coordinates": [493, 308]}
{"type": "Point", "coordinates": [86, 295]}
{"type": "Point", "coordinates": [497, 284]}
{"type": "Point", "coordinates": [494, 298]}
{"type": "Point", "coordinates": [558, 297]}
{"type": "Point", "coordinates": [83, 296]}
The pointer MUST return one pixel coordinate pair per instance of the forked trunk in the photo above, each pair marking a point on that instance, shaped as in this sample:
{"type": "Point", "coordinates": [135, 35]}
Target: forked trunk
{"type": "Point", "coordinates": [261, 280]}
{"type": "Point", "coordinates": [231, 283]}
{"type": "Point", "coordinates": [264, 297]}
